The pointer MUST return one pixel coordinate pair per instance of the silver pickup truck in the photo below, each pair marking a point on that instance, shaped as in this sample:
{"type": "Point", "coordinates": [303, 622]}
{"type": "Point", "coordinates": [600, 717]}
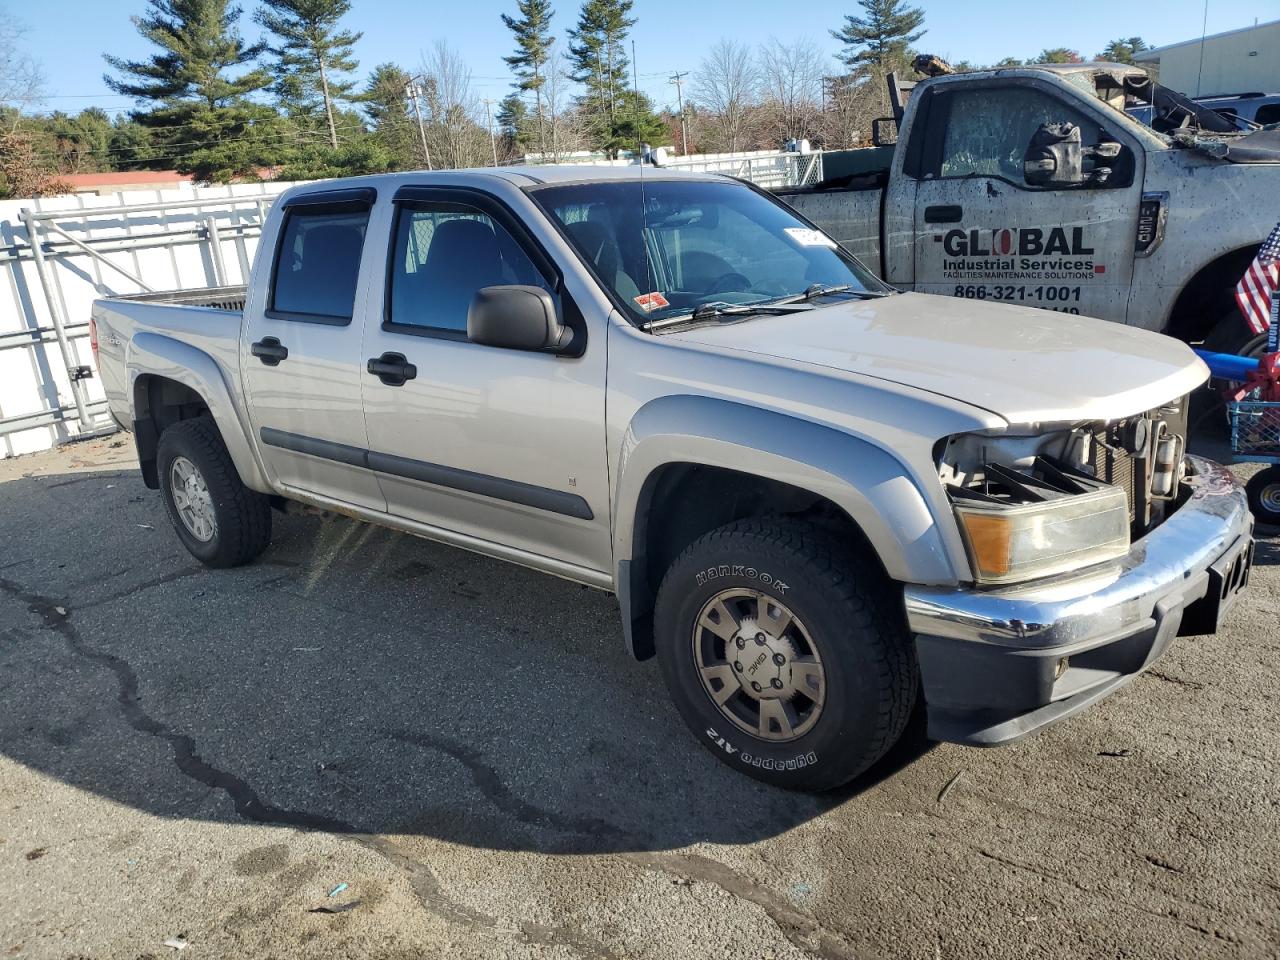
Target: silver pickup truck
{"type": "Point", "coordinates": [821, 503]}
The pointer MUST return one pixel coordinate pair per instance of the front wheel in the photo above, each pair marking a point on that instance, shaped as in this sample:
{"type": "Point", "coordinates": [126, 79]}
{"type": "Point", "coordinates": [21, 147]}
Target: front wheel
{"type": "Point", "coordinates": [1263, 489]}
{"type": "Point", "coordinates": [781, 653]}
{"type": "Point", "coordinates": [220, 521]}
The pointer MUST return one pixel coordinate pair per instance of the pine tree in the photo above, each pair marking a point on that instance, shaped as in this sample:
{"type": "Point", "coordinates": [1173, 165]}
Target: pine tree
{"type": "Point", "coordinates": [1122, 50]}
{"type": "Point", "coordinates": [387, 109]}
{"type": "Point", "coordinates": [533, 50]}
{"type": "Point", "coordinates": [635, 123]}
{"type": "Point", "coordinates": [598, 60]}
{"type": "Point", "coordinates": [513, 123]}
{"type": "Point", "coordinates": [311, 53]}
{"type": "Point", "coordinates": [203, 120]}
{"type": "Point", "coordinates": [1059, 55]}
{"type": "Point", "coordinates": [880, 39]}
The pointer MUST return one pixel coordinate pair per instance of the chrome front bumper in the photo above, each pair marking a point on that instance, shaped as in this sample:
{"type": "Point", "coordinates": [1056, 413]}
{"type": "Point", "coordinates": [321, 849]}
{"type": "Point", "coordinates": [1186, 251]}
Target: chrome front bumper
{"type": "Point", "coordinates": [992, 661]}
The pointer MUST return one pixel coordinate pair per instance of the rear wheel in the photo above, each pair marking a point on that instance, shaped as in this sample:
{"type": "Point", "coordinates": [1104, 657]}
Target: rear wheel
{"type": "Point", "coordinates": [783, 655]}
{"type": "Point", "coordinates": [1263, 489]}
{"type": "Point", "coordinates": [1232, 335]}
{"type": "Point", "coordinates": [220, 521]}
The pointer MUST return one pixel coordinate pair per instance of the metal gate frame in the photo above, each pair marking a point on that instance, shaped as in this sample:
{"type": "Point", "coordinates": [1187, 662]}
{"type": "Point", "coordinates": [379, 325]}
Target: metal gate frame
{"type": "Point", "coordinates": [48, 243]}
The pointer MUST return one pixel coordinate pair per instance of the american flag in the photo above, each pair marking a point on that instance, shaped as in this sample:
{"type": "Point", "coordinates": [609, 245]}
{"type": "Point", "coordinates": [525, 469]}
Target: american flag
{"type": "Point", "coordinates": [1254, 290]}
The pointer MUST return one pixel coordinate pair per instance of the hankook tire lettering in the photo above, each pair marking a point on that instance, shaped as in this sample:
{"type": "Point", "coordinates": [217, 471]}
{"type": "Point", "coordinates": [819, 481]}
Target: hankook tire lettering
{"type": "Point", "coordinates": [741, 570]}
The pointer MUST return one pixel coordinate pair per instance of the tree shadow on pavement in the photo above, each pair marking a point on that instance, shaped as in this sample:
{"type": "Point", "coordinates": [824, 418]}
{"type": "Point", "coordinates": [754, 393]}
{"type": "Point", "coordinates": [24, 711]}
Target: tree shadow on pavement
{"type": "Point", "coordinates": [354, 680]}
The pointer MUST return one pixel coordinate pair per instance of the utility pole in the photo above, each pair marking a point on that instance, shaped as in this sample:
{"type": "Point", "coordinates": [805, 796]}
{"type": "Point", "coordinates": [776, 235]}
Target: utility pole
{"type": "Point", "coordinates": [678, 79]}
{"type": "Point", "coordinates": [414, 94]}
{"type": "Point", "coordinates": [488, 109]}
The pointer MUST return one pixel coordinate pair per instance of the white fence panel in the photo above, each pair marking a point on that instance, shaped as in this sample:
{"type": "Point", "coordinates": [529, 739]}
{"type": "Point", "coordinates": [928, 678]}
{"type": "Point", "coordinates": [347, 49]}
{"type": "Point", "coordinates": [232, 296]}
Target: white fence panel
{"type": "Point", "coordinates": [168, 249]}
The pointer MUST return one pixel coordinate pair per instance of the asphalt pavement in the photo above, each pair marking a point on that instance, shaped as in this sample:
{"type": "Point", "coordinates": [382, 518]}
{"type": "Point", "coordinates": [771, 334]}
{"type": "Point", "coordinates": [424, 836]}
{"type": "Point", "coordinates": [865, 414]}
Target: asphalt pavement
{"type": "Point", "coordinates": [208, 757]}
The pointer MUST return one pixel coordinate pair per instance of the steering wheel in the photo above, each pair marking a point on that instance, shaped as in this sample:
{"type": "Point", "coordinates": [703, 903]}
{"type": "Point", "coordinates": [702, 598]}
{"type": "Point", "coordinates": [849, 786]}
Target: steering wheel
{"type": "Point", "coordinates": [729, 281]}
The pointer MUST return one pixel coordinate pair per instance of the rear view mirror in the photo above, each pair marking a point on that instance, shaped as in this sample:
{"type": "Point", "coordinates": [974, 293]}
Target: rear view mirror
{"type": "Point", "coordinates": [884, 131]}
{"type": "Point", "coordinates": [1056, 158]}
{"type": "Point", "coordinates": [516, 317]}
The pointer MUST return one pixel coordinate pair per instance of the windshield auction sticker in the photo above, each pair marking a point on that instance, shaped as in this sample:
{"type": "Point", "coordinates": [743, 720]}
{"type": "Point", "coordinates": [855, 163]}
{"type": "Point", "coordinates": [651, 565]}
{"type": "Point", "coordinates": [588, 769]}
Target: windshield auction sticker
{"type": "Point", "coordinates": [649, 302]}
{"type": "Point", "coordinates": [810, 238]}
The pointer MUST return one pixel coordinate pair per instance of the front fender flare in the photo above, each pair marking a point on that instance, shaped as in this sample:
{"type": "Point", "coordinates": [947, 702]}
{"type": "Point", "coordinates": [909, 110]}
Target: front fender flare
{"type": "Point", "coordinates": [875, 488]}
{"type": "Point", "coordinates": [151, 354]}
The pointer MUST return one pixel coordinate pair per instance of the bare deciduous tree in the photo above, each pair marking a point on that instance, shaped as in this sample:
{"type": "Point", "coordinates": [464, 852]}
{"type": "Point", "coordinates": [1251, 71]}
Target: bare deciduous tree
{"type": "Point", "coordinates": [568, 127]}
{"type": "Point", "coordinates": [451, 111]}
{"type": "Point", "coordinates": [21, 80]}
{"type": "Point", "coordinates": [726, 87]}
{"type": "Point", "coordinates": [791, 80]}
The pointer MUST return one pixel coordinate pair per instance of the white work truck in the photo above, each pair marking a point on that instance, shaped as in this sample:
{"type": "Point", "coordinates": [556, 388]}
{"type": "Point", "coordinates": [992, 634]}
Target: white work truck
{"type": "Point", "coordinates": [1033, 186]}
{"type": "Point", "coordinates": [820, 502]}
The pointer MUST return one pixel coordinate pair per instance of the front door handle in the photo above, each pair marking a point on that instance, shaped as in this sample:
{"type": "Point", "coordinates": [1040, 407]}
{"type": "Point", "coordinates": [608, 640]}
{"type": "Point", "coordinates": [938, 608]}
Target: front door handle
{"type": "Point", "coordinates": [270, 351]}
{"type": "Point", "coordinates": [392, 369]}
{"type": "Point", "coordinates": [946, 213]}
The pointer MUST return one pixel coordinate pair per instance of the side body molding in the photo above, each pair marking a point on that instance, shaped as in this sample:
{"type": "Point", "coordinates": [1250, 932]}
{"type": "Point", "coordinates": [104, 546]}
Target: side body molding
{"type": "Point", "coordinates": [161, 356]}
{"type": "Point", "coordinates": [874, 487]}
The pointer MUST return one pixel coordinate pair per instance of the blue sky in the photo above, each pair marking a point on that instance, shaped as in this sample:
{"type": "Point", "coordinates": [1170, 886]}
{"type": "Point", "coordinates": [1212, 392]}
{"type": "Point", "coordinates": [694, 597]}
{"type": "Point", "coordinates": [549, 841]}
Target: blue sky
{"type": "Point", "coordinates": [68, 36]}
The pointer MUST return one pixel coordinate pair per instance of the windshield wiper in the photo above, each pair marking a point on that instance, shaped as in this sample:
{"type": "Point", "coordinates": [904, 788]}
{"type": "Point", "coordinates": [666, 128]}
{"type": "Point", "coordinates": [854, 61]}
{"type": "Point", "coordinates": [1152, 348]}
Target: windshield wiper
{"type": "Point", "coordinates": [821, 290]}
{"type": "Point", "coordinates": [713, 311]}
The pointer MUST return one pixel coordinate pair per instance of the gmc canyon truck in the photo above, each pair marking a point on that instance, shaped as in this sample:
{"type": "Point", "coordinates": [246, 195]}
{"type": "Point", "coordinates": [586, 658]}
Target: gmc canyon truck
{"type": "Point", "coordinates": [818, 500]}
{"type": "Point", "coordinates": [1033, 186]}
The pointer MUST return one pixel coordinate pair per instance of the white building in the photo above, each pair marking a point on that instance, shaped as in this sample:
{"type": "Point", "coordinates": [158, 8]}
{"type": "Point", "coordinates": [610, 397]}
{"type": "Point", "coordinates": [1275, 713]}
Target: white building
{"type": "Point", "coordinates": [1237, 61]}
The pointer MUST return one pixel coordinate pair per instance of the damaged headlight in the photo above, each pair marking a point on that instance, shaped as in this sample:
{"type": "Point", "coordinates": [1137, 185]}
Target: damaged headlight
{"type": "Point", "coordinates": [1019, 524]}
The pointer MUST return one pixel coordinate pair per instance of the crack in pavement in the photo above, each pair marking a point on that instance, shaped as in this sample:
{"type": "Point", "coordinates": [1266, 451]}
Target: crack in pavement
{"type": "Point", "coordinates": [1169, 915]}
{"type": "Point", "coordinates": [426, 887]}
{"type": "Point", "coordinates": [248, 805]}
{"type": "Point", "coordinates": [802, 930]}
{"type": "Point", "coordinates": [1178, 681]}
{"type": "Point", "coordinates": [146, 585]}
{"type": "Point", "coordinates": [489, 782]}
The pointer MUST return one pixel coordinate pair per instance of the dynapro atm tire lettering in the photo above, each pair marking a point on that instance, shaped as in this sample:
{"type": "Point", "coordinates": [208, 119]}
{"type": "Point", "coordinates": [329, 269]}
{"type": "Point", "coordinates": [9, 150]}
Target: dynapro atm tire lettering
{"type": "Point", "coordinates": [1018, 253]}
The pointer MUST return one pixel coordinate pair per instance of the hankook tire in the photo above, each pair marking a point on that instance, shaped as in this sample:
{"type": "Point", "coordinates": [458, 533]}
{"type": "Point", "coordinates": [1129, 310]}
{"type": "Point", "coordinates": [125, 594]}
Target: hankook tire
{"type": "Point", "coordinates": [784, 652]}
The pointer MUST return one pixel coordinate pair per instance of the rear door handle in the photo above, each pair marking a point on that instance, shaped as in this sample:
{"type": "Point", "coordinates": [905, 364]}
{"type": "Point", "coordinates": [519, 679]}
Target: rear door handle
{"type": "Point", "coordinates": [270, 351]}
{"type": "Point", "coordinates": [392, 369]}
{"type": "Point", "coordinates": [947, 213]}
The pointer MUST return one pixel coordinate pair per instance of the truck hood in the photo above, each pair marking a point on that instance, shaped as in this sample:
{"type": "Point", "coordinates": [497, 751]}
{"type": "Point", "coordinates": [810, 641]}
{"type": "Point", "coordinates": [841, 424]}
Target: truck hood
{"type": "Point", "coordinates": [1024, 364]}
{"type": "Point", "coordinates": [1260, 146]}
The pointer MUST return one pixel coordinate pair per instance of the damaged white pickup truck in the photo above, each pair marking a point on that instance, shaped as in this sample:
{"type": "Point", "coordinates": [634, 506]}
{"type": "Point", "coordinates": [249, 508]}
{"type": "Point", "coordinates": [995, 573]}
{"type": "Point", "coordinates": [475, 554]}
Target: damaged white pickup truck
{"type": "Point", "coordinates": [820, 502]}
{"type": "Point", "coordinates": [1033, 186]}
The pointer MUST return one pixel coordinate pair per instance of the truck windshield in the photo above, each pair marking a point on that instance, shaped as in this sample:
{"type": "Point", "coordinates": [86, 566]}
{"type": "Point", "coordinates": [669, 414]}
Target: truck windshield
{"type": "Point", "coordinates": [667, 247]}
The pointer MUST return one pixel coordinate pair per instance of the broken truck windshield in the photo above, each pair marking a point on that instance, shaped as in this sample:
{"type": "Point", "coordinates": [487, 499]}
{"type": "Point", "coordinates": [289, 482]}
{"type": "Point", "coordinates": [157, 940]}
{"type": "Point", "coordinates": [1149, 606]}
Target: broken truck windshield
{"type": "Point", "coordinates": [667, 247]}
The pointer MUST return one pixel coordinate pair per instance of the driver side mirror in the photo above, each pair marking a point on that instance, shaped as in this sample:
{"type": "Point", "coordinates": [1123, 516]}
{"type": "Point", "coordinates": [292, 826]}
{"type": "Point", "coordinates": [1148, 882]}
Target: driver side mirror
{"type": "Point", "coordinates": [884, 131]}
{"type": "Point", "coordinates": [516, 317]}
{"type": "Point", "coordinates": [1056, 158]}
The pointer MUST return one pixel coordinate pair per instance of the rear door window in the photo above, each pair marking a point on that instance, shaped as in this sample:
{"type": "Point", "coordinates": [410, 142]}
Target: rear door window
{"type": "Point", "coordinates": [318, 264]}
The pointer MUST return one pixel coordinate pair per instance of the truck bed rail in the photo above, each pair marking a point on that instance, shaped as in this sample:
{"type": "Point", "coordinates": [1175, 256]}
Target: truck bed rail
{"type": "Point", "coordinates": [230, 299]}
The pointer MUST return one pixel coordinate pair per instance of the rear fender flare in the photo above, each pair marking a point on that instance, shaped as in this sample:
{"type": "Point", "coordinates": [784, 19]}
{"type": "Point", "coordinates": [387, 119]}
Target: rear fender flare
{"type": "Point", "coordinates": [151, 354]}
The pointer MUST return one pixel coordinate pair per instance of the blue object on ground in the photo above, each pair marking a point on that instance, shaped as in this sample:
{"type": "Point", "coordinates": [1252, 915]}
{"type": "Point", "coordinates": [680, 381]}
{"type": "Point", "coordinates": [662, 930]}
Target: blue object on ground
{"type": "Point", "coordinates": [1228, 366]}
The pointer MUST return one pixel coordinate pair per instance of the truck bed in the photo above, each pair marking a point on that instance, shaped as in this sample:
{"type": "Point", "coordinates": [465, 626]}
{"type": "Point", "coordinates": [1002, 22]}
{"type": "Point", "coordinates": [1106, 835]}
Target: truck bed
{"type": "Point", "coordinates": [207, 319]}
